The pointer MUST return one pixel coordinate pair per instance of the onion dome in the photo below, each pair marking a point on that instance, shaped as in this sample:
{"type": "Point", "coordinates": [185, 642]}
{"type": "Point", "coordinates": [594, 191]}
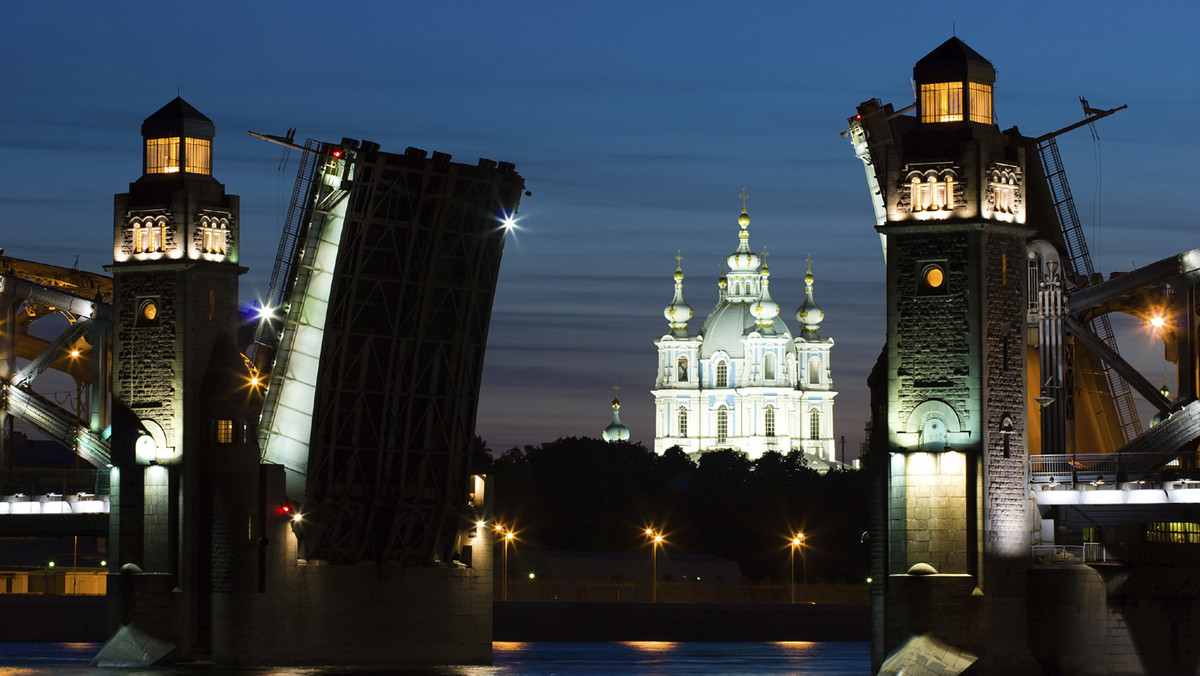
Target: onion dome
{"type": "Point", "coordinates": [766, 309]}
{"type": "Point", "coordinates": [678, 312]}
{"type": "Point", "coordinates": [615, 430]}
{"type": "Point", "coordinates": [744, 259]}
{"type": "Point", "coordinates": [722, 283]}
{"type": "Point", "coordinates": [810, 314]}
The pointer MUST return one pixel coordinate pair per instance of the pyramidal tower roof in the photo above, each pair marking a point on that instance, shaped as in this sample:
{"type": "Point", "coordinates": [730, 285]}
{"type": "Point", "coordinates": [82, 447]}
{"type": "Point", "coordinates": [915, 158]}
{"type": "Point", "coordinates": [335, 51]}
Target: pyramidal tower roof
{"type": "Point", "coordinates": [178, 118]}
{"type": "Point", "coordinates": [954, 60]}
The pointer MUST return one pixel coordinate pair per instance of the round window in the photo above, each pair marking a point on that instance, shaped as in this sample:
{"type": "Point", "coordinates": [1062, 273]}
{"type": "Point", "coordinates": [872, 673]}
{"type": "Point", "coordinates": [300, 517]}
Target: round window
{"type": "Point", "coordinates": [933, 277]}
{"type": "Point", "coordinates": [150, 311]}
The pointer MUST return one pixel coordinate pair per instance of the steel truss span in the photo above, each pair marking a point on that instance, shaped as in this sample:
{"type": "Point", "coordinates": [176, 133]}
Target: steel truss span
{"type": "Point", "coordinates": [402, 356]}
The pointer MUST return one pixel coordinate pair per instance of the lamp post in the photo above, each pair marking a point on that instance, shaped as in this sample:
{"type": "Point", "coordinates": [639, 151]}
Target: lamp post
{"type": "Point", "coordinates": [798, 543]}
{"type": "Point", "coordinates": [507, 535]}
{"type": "Point", "coordinates": [655, 540]}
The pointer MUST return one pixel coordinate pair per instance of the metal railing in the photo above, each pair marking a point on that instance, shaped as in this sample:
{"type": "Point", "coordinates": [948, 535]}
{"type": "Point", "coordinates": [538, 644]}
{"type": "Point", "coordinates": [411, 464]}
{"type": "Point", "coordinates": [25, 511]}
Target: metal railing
{"type": "Point", "coordinates": [1064, 467]}
{"type": "Point", "coordinates": [1088, 552]}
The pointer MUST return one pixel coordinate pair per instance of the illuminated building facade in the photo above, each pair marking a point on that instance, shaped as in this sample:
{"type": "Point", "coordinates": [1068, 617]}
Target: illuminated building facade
{"type": "Point", "coordinates": [743, 382]}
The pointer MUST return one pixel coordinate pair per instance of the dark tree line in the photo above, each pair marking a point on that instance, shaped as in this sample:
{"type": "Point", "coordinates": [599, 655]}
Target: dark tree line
{"type": "Point", "coordinates": [582, 494]}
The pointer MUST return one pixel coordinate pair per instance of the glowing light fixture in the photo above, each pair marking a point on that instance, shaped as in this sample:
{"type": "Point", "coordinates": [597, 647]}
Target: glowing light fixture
{"type": "Point", "coordinates": [1157, 321]}
{"type": "Point", "coordinates": [508, 221]}
{"type": "Point", "coordinates": [74, 353]}
{"type": "Point", "coordinates": [266, 313]}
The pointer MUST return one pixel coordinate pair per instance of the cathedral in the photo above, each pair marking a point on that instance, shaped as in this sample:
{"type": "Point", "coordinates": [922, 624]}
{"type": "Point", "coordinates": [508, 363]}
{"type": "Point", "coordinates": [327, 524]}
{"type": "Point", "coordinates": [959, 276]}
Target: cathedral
{"type": "Point", "coordinates": [743, 382]}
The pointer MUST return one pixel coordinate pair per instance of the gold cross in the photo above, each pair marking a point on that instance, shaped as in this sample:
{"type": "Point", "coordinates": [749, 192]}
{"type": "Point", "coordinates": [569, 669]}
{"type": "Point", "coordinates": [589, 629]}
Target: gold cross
{"type": "Point", "coordinates": [679, 258]}
{"type": "Point", "coordinates": [743, 196]}
{"type": "Point", "coordinates": [616, 388]}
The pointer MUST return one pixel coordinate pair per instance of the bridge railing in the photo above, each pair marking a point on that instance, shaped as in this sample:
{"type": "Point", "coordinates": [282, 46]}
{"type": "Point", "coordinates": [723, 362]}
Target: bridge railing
{"type": "Point", "coordinates": [1066, 467]}
{"type": "Point", "coordinates": [1088, 552]}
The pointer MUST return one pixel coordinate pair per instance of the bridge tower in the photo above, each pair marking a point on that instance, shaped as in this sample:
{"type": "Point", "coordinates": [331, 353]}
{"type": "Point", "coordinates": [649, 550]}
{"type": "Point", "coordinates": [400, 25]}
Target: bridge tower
{"type": "Point", "coordinates": [949, 390]}
{"type": "Point", "coordinates": [186, 520]}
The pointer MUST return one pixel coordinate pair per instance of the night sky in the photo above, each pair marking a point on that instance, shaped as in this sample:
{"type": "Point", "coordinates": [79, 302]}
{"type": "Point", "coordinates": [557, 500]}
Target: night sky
{"type": "Point", "coordinates": [635, 126]}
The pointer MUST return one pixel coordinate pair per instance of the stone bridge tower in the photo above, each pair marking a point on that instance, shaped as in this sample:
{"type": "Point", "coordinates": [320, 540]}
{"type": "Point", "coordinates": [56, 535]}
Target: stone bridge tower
{"type": "Point", "coordinates": [949, 389]}
{"type": "Point", "coordinates": [186, 519]}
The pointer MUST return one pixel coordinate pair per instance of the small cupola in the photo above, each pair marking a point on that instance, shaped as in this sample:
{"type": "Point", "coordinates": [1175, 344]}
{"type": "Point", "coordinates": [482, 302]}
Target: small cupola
{"type": "Point", "coordinates": [177, 140]}
{"type": "Point", "coordinates": [954, 84]}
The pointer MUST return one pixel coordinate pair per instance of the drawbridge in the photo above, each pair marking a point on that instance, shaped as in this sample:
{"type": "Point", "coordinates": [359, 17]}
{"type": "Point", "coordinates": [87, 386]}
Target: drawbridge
{"type": "Point", "coordinates": [75, 307]}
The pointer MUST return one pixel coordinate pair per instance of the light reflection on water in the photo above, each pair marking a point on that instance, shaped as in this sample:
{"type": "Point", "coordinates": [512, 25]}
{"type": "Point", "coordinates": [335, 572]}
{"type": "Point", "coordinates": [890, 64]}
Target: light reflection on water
{"type": "Point", "coordinates": [631, 658]}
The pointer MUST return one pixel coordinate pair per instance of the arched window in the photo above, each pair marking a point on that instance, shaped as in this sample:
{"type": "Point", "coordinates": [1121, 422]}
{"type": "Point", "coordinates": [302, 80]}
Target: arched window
{"type": "Point", "coordinates": [916, 193]}
{"type": "Point", "coordinates": [683, 421]}
{"type": "Point", "coordinates": [722, 424]}
{"type": "Point", "coordinates": [814, 371]}
{"type": "Point", "coordinates": [814, 425]}
{"type": "Point", "coordinates": [681, 370]}
{"type": "Point", "coordinates": [722, 374]}
{"type": "Point", "coordinates": [769, 366]}
{"type": "Point", "coordinates": [769, 427]}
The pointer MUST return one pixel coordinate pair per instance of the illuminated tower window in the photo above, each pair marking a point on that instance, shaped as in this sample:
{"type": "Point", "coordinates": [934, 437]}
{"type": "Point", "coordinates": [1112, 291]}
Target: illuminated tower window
{"type": "Point", "coordinates": [149, 236]}
{"type": "Point", "coordinates": [769, 366]}
{"type": "Point", "coordinates": [198, 156]}
{"type": "Point", "coordinates": [213, 235]}
{"type": "Point", "coordinates": [162, 155]}
{"type": "Point", "coordinates": [981, 102]}
{"type": "Point", "coordinates": [942, 102]}
{"type": "Point", "coordinates": [814, 425]}
{"type": "Point", "coordinates": [814, 371]}
{"type": "Point", "coordinates": [683, 421]}
{"type": "Point", "coordinates": [224, 431]}
{"type": "Point", "coordinates": [769, 421]}
{"type": "Point", "coordinates": [722, 424]}
{"type": "Point", "coordinates": [682, 369]}
{"type": "Point", "coordinates": [722, 374]}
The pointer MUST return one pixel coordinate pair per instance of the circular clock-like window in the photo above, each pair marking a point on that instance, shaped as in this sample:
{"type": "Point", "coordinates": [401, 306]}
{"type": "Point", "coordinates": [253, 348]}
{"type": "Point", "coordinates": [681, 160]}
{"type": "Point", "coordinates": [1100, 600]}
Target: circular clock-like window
{"type": "Point", "coordinates": [933, 277]}
{"type": "Point", "coordinates": [149, 311]}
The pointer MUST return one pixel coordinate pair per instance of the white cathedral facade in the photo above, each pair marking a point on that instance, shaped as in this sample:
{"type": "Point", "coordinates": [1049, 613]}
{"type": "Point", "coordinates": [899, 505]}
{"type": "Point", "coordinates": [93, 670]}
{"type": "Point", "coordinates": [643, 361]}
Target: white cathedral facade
{"type": "Point", "coordinates": [743, 382]}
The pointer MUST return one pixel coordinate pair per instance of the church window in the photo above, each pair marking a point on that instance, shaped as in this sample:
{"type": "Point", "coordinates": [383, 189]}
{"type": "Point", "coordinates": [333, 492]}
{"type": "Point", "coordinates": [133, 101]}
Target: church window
{"type": "Point", "coordinates": [197, 156]}
{"type": "Point", "coordinates": [722, 374]}
{"type": "Point", "coordinates": [683, 421]}
{"type": "Point", "coordinates": [682, 369]}
{"type": "Point", "coordinates": [722, 424]}
{"type": "Point", "coordinates": [916, 194]}
{"type": "Point", "coordinates": [769, 366]}
{"type": "Point", "coordinates": [769, 421]}
{"type": "Point", "coordinates": [814, 425]}
{"type": "Point", "coordinates": [942, 102]}
{"type": "Point", "coordinates": [162, 155]}
{"type": "Point", "coordinates": [938, 190]}
{"type": "Point", "coordinates": [224, 431]}
{"type": "Point", "coordinates": [981, 102]}
{"type": "Point", "coordinates": [814, 371]}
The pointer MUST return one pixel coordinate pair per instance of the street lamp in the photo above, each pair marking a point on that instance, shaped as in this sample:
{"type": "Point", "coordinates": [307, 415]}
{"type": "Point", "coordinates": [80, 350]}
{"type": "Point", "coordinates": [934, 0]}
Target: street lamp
{"type": "Point", "coordinates": [798, 543]}
{"type": "Point", "coordinates": [656, 539]}
{"type": "Point", "coordinates": [507, 536]}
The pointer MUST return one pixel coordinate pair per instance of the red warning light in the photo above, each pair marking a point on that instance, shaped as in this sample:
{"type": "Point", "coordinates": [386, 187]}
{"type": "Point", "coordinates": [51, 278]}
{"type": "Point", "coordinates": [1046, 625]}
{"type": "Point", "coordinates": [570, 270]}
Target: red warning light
{"type": "Point", "coordinates": [337, 153]}
{"type": "Point", "coordinates": [858, 116]}
{"type": "Point", "coordinates": [285, 509]}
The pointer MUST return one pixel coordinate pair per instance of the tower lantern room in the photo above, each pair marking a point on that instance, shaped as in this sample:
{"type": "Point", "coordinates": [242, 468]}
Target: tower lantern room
{"type": "Point", "coordinates": [954, 83]}
{"type": "Point", "coordinates": [177, 139]}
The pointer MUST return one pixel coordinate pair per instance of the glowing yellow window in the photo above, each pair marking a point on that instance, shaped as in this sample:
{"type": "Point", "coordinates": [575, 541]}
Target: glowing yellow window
{"type": "Point", "coordinates": [224, 431]}
{"type": "Point", "coordinates": [162, 155]}
{"type": "Point", "coordinates": [941, 102]}
{"type": "Point", "coordinates": [934, 277]}
{"type": "Point", "coordinates": [198, 154]}
{"type": "Point", "coordinates": [981, 102]}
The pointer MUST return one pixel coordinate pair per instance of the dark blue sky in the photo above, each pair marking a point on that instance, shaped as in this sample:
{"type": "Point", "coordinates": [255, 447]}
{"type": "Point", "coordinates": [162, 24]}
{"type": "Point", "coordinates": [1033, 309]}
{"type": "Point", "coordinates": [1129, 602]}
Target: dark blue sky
{"type": "Point", "coordinates": [635, 126]}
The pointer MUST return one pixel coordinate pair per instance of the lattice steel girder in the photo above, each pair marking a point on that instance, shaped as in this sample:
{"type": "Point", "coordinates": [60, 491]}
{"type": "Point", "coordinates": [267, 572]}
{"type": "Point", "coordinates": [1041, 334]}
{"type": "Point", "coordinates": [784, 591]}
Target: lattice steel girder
{"type": "Point", "coordinates": [1114, 360]}
{"type": "Point", "coordinates": [1129, 292]}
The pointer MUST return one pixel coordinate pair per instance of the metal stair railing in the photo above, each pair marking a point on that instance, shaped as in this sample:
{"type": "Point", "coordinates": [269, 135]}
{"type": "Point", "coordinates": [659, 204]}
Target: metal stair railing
{"type": "Point", "coordinates": [1081, 264]}
{"type": "Point", "coordinates": [283, 274]}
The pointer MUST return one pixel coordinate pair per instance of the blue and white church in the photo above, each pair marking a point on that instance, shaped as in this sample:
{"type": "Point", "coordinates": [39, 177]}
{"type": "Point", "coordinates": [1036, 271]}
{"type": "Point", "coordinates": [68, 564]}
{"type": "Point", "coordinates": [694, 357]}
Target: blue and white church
{"type": "Point", "coordinates": [744, 382]}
